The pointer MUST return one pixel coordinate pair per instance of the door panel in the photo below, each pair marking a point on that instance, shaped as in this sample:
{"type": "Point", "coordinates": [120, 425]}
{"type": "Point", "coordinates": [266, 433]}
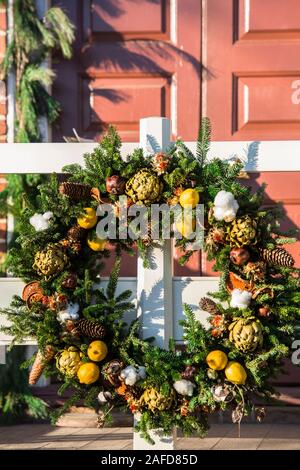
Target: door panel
{"type": "Point", "coordinates": [251, 69]}
{"type": "Point", "coordinates": [132, 59]}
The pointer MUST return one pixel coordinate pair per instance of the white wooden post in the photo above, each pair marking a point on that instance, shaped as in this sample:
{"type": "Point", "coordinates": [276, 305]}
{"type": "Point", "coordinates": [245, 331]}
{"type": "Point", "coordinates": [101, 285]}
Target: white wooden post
{"type": "Point", "coordinates": [154, 286]}
{"type": "Point", "coordinates": [2, 354]}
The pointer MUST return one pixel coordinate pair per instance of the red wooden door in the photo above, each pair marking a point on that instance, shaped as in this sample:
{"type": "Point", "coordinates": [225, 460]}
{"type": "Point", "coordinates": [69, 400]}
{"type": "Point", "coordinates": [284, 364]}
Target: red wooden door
{"type": "Point", "coordinates": [250, 89]}
{"type": "Point", "coordinates": [252, 69]}
{"type": "Point", "coordinates": [132, 59]}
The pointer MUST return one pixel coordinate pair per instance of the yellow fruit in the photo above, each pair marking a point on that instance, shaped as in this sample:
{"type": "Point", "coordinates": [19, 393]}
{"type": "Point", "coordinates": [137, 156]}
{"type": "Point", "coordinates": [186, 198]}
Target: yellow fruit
{"type": "Point", "coordinates": [189, 197]}
{"type": "Point", "coordinates": [97, 351]}
{"type": "Point", "coordinates": [217, 360]}
{"type": "Point", "coordinates": [235, 373]}
{"type": "Point", "coordinates": [186, 226]}
{"type": "Point", "coordinates": [88, 373]}
{"type": "Point", "coordinates": [88, 220]}
{"type": "Point", "coordinates": [95, 243]}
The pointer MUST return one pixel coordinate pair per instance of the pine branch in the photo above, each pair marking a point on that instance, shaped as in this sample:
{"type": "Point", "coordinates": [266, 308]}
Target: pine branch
{"type": "Point", "coordinates": [203, 142]}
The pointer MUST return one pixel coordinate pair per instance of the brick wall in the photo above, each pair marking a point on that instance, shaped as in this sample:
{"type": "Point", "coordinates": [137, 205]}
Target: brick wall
{"type": "Point", "coordinates": [3, 129]}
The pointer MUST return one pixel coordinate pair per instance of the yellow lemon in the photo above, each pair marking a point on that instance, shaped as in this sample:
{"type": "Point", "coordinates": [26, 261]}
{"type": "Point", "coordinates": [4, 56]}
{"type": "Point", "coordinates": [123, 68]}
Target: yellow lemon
{"type": "Point", "coordinates": [189, 197]}
{"type": "Point", "coordinates": [217, 360]}
{"type": "Point", "coordinates": [235, 373]}
{"type": "Point", "coordinates": [95, 243]}
{"type": "Point", "coordinates": [88, 220]}
{"type": "Point", "coordinates": [186, 226]}
{"type": "Point", "coordinates": [97, 351]}
{"type": "Point", "coordinates": [88, 373]}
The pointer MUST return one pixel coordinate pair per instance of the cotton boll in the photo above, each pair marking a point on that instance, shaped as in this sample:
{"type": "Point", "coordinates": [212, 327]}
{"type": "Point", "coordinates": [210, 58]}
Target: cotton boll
{"type": "Point", "coordinates": [132, 374]}
{"type": "Point", "coordinates": [125, 372]}
{"type": "Point", "coordinates": [38, 222]}
{"type": "Point", "coordinates": [224, 199]}
{"type": "Point", "coordinates": [184, 387]}
{"type": "Point", "coordinates": [131, 379]}
{"type": "Point", "coordinates": [219, 213]}
{"type": "Point", "coordinates": [41, 221]}
{"type": "Point", "coordinates": [71, 312]}
{"type": "Point", "coordinates": [129, 375]}
{"type": "Point", "coordinates": [240, 298]}
{"type": "Point", "coordinates": [225, 206]}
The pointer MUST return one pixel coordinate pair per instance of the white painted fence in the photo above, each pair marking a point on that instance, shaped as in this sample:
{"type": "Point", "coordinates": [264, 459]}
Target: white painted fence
{"type": "Point", "coordinates": [159, 296]}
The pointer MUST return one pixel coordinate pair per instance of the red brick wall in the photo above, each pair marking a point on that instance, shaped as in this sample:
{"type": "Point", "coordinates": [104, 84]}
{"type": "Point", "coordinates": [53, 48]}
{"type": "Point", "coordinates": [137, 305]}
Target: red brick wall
{"type": "Point", "coordinates": [3, 129]}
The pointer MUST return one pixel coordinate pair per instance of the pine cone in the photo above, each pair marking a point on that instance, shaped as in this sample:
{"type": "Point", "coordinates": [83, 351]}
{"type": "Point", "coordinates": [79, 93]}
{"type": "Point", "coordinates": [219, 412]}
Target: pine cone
{"type": "Point", "coordinates": [208, 305]}
{"type": "Point", "coordinates": [39, 364]}
{"type": "Point", "coordinates": [90, 329]}
{"type": "Point", "coordinates": [75, 191]}
{"type": "Point", "coordinates": [76, 233]}
{"type": "Point", "coordinates": [278, 256]}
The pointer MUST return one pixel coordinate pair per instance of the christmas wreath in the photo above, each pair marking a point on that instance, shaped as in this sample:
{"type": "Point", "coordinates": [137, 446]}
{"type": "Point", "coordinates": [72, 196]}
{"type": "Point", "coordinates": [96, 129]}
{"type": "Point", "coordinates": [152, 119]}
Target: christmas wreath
{"type": "Point", "coordinates": [79, 327]}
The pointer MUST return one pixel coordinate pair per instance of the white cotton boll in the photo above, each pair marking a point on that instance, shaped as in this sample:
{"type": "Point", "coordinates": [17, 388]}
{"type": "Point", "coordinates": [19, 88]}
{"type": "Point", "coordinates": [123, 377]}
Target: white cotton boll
{"type": "Point", "coordinates": [129, 375]}
{"type": "Point", "coordinates": [132, 374]}
{"type": "Point", "coordinates": [184, 387]}
{"type": "Point", "coordinates": [71, 312]}
{"type": "Point", "coordinates": [125, 372]}
{"type": "Point", "coordinates": [41, 221]}
{"type": "Point", "coordinates": [131, 379]}
{"type": "Point", "coordinates": [240, 298]}
{"type": "Point", "coordinates": [225, 206]}
{"type": "Point", "coordinates": [219, 213]}
{"type": "Point", "coordinates": [63, 316]}
{"type": "Point", "coordinates": [224, 199]}
{"type": "Point", "coordinates": [38, 222]}
{"type": "Point", "coordinates": [142, 372]}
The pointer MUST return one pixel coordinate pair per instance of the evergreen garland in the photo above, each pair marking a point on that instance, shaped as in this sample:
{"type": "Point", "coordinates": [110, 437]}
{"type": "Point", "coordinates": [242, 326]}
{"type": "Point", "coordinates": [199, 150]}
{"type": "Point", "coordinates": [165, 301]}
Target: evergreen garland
{"type": "Point", "coordinates": [252, 323]}
{"type": "Point", "coordinates": [33, 40]}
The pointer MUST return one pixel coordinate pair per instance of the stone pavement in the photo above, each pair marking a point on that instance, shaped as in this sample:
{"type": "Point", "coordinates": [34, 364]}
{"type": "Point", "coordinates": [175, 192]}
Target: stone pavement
{"type": "Point", "coordinates": [220, 437]}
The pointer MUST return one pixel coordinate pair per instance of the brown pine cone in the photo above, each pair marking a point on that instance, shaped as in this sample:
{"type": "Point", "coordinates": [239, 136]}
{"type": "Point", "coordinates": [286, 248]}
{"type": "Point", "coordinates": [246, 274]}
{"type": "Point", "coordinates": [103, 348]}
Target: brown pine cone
{"type": "Point", "coordinates": [39, 364]}
{"type": "Point", "coordinates": [75, 191]}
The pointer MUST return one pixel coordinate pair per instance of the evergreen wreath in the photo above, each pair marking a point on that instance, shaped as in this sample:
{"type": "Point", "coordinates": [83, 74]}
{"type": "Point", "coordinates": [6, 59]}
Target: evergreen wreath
{"type": "Point", "coordinates": [79, 325]}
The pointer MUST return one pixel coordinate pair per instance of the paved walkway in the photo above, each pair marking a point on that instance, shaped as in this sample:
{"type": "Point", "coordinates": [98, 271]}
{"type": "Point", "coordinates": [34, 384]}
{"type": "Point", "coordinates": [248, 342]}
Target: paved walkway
{"type": "Point", "coordinates": [220, 437]}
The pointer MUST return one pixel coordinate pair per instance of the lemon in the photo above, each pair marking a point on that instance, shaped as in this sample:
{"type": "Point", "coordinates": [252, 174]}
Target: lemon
{"type": "Point", "coordinates": [88, 373]}
{"type": "Point", "coordinates": [95, 243]}
{"type": "Point", "coordinates": [235, 373]}
{"type": "Point", "coordinates": [217, 360]}
{"type": "Point", "coordinates": [88, 220]}
{"type": "Point", "coordinates": [186, 226]}
{"type": "Point", "coordinates": [97, 351]}
{"type": "Point", "coordinates": [189, 197]}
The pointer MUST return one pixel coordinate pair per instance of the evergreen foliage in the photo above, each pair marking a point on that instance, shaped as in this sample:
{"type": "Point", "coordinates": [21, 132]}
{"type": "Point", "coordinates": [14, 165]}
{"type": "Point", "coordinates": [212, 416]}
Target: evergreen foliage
{"type": "Point", "coordinates": [252, 324]}
{"type": "Point", "coordinates": [32, 41]}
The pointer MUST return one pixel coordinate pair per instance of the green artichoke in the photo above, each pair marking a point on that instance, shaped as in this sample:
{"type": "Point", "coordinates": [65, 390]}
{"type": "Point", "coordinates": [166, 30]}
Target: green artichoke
{"type": "Point", "coordinates": [144, 187]}
{"type": "Point", "coordinates": [246, 334]}
{"type": "Point", "coordinates": [155, 401]}
{"type": "Point", "coordinates": [243, 231]}
{"type": "Point", "coordinates": [68, 361]}
{"type": "Point", "coordinates": [50, 261]}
